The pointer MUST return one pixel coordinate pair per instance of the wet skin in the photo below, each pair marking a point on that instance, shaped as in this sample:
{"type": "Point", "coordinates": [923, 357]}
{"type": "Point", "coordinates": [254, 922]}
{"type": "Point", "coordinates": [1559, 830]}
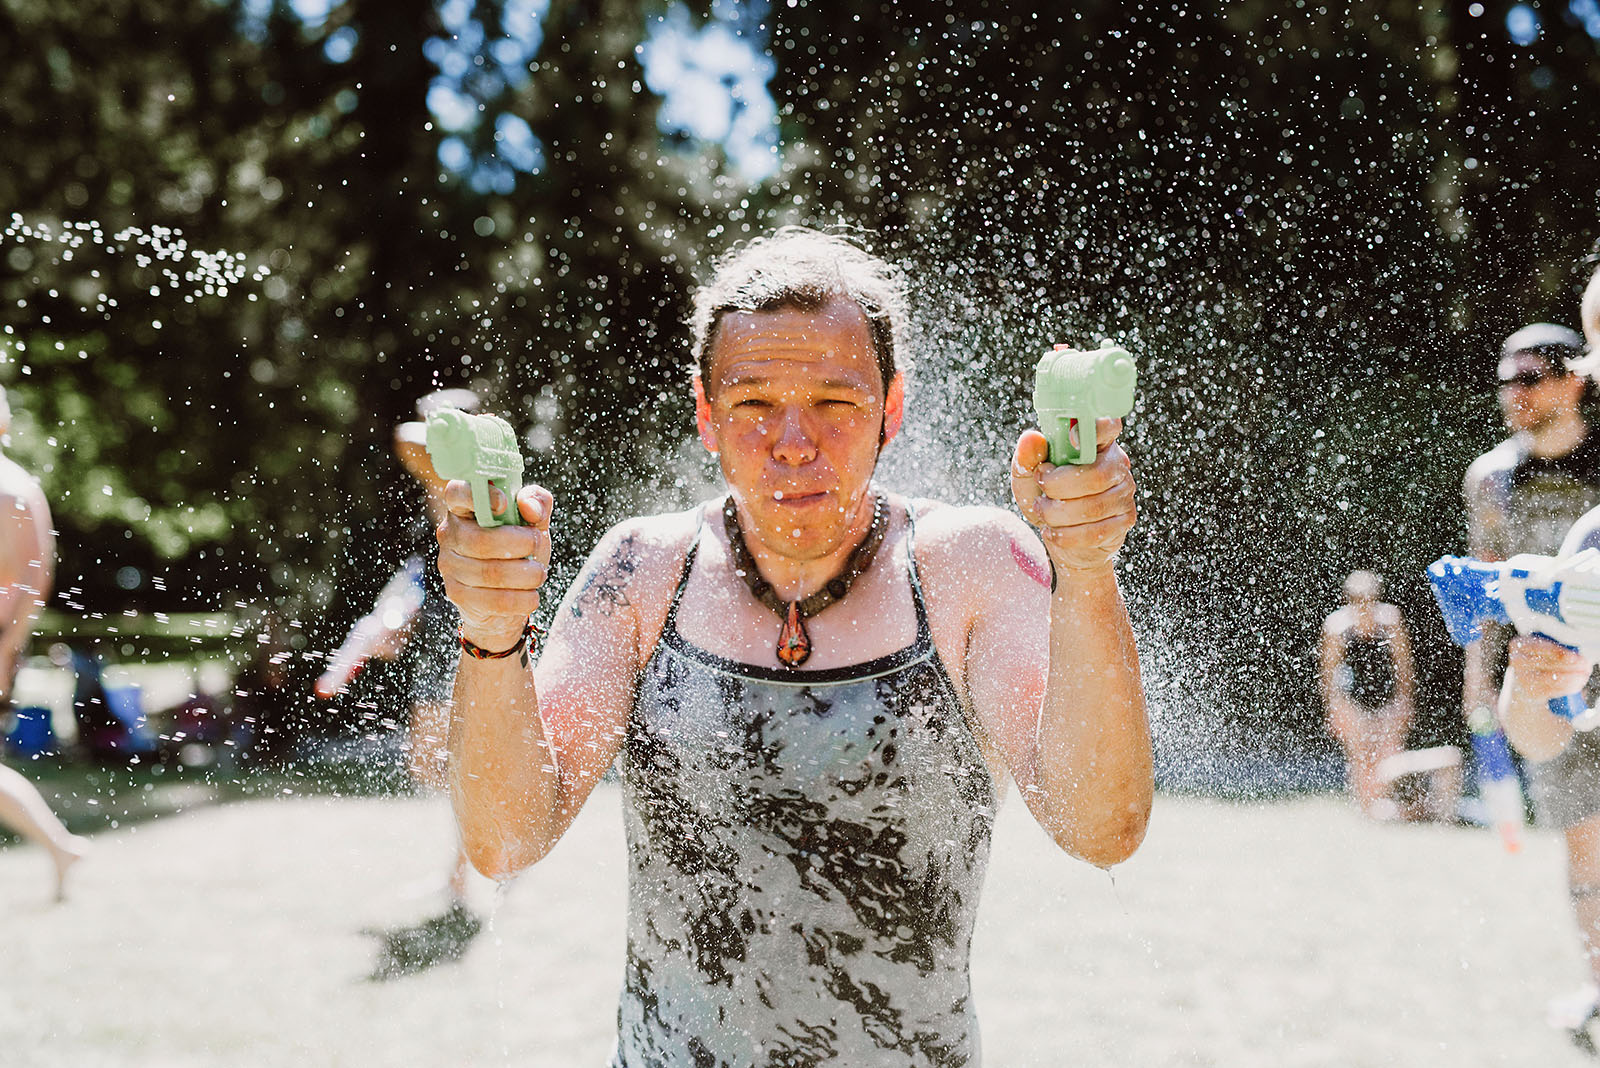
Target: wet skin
{"type": "Point", "coordinates": [1532, 406]}
{"type": "Point", "coordinates": [796, 411]}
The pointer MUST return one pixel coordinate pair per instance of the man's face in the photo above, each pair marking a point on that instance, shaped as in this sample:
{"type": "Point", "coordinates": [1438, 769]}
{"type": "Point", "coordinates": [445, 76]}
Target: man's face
{"type": "Point", "coordinates": [793, 409]}
{"type": "Point", "coordinates": [1532, 394]}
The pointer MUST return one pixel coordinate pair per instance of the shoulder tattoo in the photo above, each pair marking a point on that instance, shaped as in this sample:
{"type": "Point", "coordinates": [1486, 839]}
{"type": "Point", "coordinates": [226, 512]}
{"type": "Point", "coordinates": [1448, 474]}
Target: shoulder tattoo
{"type": "Point", "coordinates": [605, 589]}
{"type": "Point", "coordinates": [1030, 564]}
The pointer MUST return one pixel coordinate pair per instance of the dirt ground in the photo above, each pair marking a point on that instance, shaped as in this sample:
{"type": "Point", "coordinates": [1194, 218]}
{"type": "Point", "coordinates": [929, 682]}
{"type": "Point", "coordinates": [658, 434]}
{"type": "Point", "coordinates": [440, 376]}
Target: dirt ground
{"type": "Point", "coordinates": [1241, 935]}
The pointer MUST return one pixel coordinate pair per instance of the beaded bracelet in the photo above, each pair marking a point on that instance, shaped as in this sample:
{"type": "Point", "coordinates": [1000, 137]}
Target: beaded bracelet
{"type": "Point", "coordinates": [479, 653]}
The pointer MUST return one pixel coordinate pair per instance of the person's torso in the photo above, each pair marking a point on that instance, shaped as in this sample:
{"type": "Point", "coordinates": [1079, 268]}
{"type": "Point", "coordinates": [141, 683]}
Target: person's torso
{"type": "Point", "coordinates": [806, 851]}
{"type": "Point", "coordinates": [1368, 668]}
{"type": "Point", "coordinates": [1542, 497]}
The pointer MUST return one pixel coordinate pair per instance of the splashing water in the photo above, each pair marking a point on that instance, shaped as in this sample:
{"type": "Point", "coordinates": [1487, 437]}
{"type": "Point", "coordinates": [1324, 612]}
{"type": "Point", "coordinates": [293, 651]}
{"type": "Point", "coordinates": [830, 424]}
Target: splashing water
{"type": "Point", "coordinates": [177, 270]}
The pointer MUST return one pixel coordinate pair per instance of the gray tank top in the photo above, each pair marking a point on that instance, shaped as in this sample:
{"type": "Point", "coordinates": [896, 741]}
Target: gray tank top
{"type": "Point", "coordinates": [805, 852]}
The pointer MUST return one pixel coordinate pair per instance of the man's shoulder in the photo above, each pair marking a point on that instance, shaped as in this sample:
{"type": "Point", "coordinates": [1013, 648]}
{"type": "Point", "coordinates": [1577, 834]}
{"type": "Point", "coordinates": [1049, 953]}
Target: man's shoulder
{"type": "Point", "coordinates": [636, 564]}
{"type": "Point", "coordinates": [653, 539]}
{"type": "Point", "coordinates": [971, 537]}
{"type": "Point", "coordinates": [1338, 621]}
{"type": "Point", "coordinates": [1499, 461]}
{"type": "Point", "coordinates": [20, 493]}
{"type": "Point", "coordinates": [963, 525]}
{"type": "Point", "coordinates": [1584, 534]}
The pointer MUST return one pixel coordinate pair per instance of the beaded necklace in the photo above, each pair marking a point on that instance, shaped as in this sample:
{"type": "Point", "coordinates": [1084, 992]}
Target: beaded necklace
{"type": "Point", "coordinates": [794, 644]}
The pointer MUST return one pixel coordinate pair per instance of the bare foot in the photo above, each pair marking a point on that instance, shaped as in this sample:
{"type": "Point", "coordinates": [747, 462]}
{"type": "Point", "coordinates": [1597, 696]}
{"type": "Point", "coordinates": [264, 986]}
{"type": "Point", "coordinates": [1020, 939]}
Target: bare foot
{"type": "Point", "coordinates": [65, 855]}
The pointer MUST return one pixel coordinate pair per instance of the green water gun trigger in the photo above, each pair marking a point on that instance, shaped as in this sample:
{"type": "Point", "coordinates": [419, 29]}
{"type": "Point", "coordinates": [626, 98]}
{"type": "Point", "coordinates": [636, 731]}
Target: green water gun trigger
{"type": "Point", "coordinates": [1076, 387]}
{"type": "Point", "coordinates": [482, 451]}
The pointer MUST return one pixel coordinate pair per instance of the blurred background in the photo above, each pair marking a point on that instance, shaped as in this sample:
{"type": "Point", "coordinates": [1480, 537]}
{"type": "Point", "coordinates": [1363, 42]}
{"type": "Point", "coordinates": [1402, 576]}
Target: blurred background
{"type": "Point", "coordinates": [240, 238]}
{"type": "Point", "coordinates": [243, 236]}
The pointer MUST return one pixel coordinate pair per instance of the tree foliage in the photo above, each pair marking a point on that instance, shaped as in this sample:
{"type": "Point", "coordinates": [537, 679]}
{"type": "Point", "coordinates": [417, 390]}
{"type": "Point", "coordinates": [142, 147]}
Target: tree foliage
{"type": "Point", "coordinates": [1314, 223]}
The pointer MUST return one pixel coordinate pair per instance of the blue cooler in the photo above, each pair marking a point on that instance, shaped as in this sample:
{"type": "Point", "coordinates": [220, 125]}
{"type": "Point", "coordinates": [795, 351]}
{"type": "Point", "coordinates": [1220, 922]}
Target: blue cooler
{"type": "Point", "coordinates": [31, 734]}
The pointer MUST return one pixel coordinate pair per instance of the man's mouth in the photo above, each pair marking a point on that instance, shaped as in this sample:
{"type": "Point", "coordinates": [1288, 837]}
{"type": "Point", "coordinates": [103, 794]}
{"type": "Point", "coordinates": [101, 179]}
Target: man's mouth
{"type": "Point", "coordinates": [796, 499]}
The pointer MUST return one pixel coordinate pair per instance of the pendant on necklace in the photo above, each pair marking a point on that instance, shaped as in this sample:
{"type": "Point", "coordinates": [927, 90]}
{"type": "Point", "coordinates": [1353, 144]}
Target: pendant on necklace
{"type": "Point", "coordinates": [794, 644]}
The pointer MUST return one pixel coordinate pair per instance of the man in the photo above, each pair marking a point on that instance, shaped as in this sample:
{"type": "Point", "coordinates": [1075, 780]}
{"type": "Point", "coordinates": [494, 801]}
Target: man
{"type": "Point", "coordinates": [413, 625]}
{"type": "Point", "coordinates": [1564, 764]}
{"type": "Point", "coordinates": [816, 689]}
{"type": "Point", "coordinates": [1524, 494]}
{"type": "Point", "coordinates": [27, 567]}
{"type": "Point", "coordinates": [1367, 684]}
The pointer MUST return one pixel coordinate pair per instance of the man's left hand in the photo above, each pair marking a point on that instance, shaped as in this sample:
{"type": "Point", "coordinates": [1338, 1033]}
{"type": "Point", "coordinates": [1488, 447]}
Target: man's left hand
{"type": "Point", "coordinates": [1083, 511]}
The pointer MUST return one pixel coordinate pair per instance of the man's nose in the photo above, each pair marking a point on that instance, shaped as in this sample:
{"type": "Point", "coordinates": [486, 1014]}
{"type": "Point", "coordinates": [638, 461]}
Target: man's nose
{"type": "Point", "coordinates": [794, 445]}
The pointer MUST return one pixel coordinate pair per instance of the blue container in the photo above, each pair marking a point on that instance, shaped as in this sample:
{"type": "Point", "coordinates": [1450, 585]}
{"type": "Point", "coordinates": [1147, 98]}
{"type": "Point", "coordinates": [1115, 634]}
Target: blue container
{"type": "Point", "coordinates": [31, 734]}
{"type": "Point", "coordinates": [126, 703]}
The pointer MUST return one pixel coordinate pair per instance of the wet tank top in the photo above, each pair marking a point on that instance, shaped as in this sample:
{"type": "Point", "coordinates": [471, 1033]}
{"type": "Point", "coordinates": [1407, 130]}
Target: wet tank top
{"type": "Point", "coordinates": [805, 852]}
{"type": "Point", "coordinates": [1367, 673]}
{"type": "Point", "coordinates": [1521, 503]}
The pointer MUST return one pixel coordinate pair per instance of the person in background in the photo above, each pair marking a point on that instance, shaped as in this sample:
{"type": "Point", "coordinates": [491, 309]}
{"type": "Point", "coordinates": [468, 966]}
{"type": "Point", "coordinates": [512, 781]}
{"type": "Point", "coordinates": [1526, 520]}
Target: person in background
{"type": "Point", "coordinates": [413, 624]}
{"type": "Point", "coordinates": [1564, 764]}
{"type": "Point", "coordinates": [1523, 495]}
{"type": "Point", "coordinates": [1367, 687]}
{"type": "Point", "coordinates": [27, 567]}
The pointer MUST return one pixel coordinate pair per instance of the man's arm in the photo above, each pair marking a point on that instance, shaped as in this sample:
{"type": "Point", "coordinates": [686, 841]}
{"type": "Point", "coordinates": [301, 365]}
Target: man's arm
{"type": "Point", "coordinates": [1054, 676]}
{"type": "Point", "coordinates": [1539, 670]}
{"type": "Point", "coordinates": [380, 634]}
{"type": "Point", "coordinates": [528, 744]}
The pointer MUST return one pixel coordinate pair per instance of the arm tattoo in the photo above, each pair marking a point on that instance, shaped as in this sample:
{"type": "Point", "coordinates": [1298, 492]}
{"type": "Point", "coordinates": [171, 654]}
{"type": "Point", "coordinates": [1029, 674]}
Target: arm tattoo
{"type": "Point", "coordinates": [606, 588]}
{"type": "Point", "coordinates": [1030, 565]}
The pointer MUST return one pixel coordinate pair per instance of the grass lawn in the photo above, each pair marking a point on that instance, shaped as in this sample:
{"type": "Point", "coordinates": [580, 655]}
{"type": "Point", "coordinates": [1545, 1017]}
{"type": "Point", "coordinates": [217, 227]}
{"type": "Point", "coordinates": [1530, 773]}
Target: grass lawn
{"type": "Point", "coordinates": [222, 925]}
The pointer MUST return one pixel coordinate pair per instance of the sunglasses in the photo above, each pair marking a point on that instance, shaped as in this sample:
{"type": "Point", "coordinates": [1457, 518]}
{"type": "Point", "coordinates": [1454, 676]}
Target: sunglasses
{"type": "Point", "coordinates": [1526, 379]}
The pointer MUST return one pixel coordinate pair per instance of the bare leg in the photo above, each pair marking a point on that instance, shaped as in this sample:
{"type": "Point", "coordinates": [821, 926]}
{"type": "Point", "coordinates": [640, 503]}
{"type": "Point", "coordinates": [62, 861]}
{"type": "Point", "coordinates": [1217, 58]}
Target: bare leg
{"type": "Point", "coordinates": [1444, 794]}
{"type": "Point", "coordinates": [1361, 766]}
{"type": "Point", "coordinates": [458, 876]}
{"type": "Point", "coordinates": [23, 810]}
{"type": "Point", "coordinates": [1389, 733]}
{"type": "Point", "coordinates": [429, 760]}
{"type": "Point", "coordinates": [1583, 880]}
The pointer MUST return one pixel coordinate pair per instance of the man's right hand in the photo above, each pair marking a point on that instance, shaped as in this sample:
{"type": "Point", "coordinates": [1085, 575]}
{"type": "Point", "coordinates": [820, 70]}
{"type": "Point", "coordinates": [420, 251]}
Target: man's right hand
{"type": "Point", "coordinates": [1544, 669]}
{"type": "Point", "coordinates": [493, 575]}
{"type": "Point", "coordinates": [1537, 671]}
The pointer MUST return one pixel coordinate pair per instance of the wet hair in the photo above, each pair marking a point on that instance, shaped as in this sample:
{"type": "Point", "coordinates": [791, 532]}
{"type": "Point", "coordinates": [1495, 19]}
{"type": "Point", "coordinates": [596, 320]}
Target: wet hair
{"type": "Point", "coordinates": [1363, 584]}
{"type": "Point", "coordinates": [1556, 345]}
{"type": "Point", "coordinates": [797, 267]}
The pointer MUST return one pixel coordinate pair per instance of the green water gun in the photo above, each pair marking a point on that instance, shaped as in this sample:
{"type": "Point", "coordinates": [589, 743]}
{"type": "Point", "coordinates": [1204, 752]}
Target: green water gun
{"type": "Point", "coordinates": [1073, 387]}
{"type": "Point", "coordinates": [482, 451]}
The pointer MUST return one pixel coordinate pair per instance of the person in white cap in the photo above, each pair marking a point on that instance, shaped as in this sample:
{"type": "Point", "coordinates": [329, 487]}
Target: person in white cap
{"type": "Point", "coordinates": [1564, 764]}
